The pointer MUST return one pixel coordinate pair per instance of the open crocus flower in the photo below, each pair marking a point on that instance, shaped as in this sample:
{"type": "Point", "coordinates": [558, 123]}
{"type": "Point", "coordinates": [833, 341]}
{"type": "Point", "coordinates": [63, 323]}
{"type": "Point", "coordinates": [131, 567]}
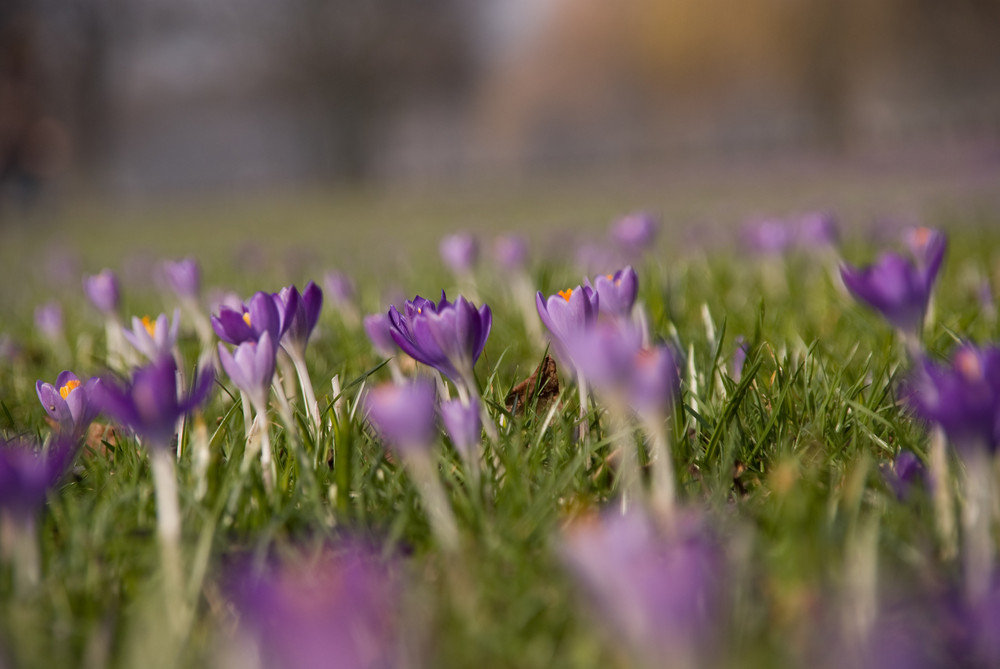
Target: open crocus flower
{"type": "Point", "coordinates": [566, 314]}
{"type": "Point", "coordinates": [900, 288]}
{"type": "Point", "coordinates": [448, 336]}
{"type": "Point", "coordinates": [235, 326]}
{"type": "Point", "coordinates": [102, 291]}
{"type": "Point", "coordinates": [298, 315]}
{"type": "Point", "coordinates": [153, 338]}
{"type": "Point", "coordinates": [617, 292]}
{"type": "Point", "coordinates": [963, 398]}
{"type": "Point", "coordinates": [149, 403]}
{"type": "Point", "coordinates": [251, 367]}
{"type": "Point", "coordinates": [69, 402]}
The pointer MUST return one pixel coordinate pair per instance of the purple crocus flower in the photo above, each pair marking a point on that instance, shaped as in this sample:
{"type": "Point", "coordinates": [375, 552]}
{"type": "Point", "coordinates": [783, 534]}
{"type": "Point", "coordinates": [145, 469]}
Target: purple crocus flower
{"type": "Point", "coordinates": [816, 230]}
{"type": "Point", "coordinates": [460, 252]}
{"type": "Point", "coordinates": [183, 277]}
{"type": "Point", "coordinates": [153, 338]}
{"type": "Point", "coordinates": [905, 474]}
{"type": "Point", "coordinates": [510, 252]}
{"type": "Point", "coordinates": [463, 424]}
{"type": "Point", "coordinates": [446, 336]}
{"type": "Point", "coordinates": [963, 398]}
{"type": "Point", "coordinates": [769, 236]}
{"type": "Point", "coordinates": [617, 292]}
{"type": "Point", "coordinates": [403, 414]}
{"type": "Point", "coordinates": [340, 287]}
{"type": "Point", "coordinates": [927, 246]}
{"type": "Point", "coordinates": [661, 591]}
{"type": "Point", "coordinates": [69, 402]}
{"type": "Point", "coordinates": [635, 233]}
{"type": "Point", "coordinates": [897, 287]}
{"type": "Point", "coordinates": [251, 368]}
{"type": "Point", "coordinates": [566, 314]}
{"type": "Point", "coordinates": [103, 292]}
{"type": "Point", "coordinates": [654, 384]}
{"type": "Point", "coordinates": [235, 326]}
{"type": "Point", "coordinates": [378, 327]}
{"type": "Point", "coordinates": [27, 474]}
{"type": "Point", "coordinates": [335, 612]}
{"type": "Point", "coordinates": [298, 315]}
{"type": "Point", "coordinates": [149, 403]}
{"type": "Point", "coordinates": [49, 320]}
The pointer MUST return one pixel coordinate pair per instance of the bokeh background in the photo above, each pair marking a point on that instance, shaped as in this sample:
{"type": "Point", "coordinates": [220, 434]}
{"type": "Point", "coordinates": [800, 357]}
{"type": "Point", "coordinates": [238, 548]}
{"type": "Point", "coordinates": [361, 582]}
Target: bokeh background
{"type": "Point", "coordinates": [319, 115]}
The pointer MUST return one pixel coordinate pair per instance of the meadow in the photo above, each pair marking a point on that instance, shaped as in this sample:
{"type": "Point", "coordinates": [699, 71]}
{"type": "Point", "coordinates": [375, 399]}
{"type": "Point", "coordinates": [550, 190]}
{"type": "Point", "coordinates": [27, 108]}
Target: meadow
{"type": "Point", "coordinates": [785, 489]}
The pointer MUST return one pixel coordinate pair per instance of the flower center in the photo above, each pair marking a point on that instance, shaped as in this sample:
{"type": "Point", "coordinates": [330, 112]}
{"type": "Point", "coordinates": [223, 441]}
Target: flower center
{"type": "Point", "coordinates": [921, 236]}
{"type": "Point", "coordinates": [968, 365]}
{"type": "Point", "coordinates": [566, 294]}
{"type": "Point", "coordinates": [246, 318]}
{"type": "Point", "coordinates": [70, 386]}
{"type": "Point", "coordinates": [149, 325]}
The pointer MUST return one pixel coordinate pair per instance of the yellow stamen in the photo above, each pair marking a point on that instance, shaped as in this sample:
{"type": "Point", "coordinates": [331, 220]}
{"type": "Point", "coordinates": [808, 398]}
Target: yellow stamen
{"type": "Point", "coordinates": [609, 276]}
{"type": "Point", "coordinates": [566, 294]}
{"type": "Point", "coordinates": [149, 325]}
{"type": "Point", "coordinates": [968, 365]}
{"type": "Point", "coordinates": [246, 319]}
{"type": "Point", "coordinates": [70, 386]}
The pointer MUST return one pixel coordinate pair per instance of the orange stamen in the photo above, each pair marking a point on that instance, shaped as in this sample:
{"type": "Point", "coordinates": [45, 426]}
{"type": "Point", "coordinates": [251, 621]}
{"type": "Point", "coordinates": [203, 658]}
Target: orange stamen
{"type": "Point", "coordinates": [70, 386]}
{"type": "Point", "coordinates": [968, 365]}
{"type": "Point", "coordinates": [566, 294]}
{"type": "Point", "coordinates": [922, 235]}
{"type": "Point", "coordinates": [246, 319]}
{"type": "Point", "coordinates": [149, 325]}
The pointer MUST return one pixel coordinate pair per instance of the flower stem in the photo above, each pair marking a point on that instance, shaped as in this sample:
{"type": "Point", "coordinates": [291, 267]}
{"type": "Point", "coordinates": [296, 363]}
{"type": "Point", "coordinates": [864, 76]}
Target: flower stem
{"type": "Point", "coordinates": [664, 493]}
{"type": "Point", "coordinates": [308, 395]}
{"type": "Point", "coordinates": [168, 521]}
{"type": "Point", "coordinates": [439, 513]}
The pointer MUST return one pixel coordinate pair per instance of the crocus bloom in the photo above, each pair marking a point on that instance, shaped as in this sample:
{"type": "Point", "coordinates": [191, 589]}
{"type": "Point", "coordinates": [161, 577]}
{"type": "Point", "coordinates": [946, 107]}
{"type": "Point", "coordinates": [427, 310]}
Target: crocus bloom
{"type": "Point", "coordinates": [654, 383]}
{"type": "Point", "coordinates": [662, 593]}
{"type": "Point", "coordinates": [897, 287]}
{"type": "Point", "coordinates": [906, 473]}
{"type": "Point", "coordinates": [249, 322]}
{"type": "Point", "coordinates": [635, 233]}
{"type": "Point", "coordinates": [567, 313]}
{"type": "Point", "coordinates": [928, 247]}
{"type": "Point", "coordinates": [298, 315]}
{"type": "Point", "coordinates": [69, 402]}
{"type": "Point", "coordinates": [510, 252]}
{"type": "Point", "coordinates": [378, 329]}
{"type": "Point", "coordinates": [49, 320]}
{"type": "Point", "coordinates": [617, 292]}
{"type": "Point", "coordinates": [149, 403]}
{"type": "Point", "coordinates": [816, 230]}
{"type": "Point", "coordinates": [251, 367]}
{"type": "Point", "coordinates": [403, 414]}
{"type": "Point", "coordinates": [963, 398]}
{"type": "Point", "coordinates": [337, 612]}
{"type": "Point", "coordinates": [459, 252]}
{"type": "Point", "coordinates": [463, 424]}
{"type": "Point", "coordinates": [340, 287]}
{"type": "Point", "coordinates": [153, 338]}
{"type": "Point", "coordinates": [768, 235]}
{"type": "Point", "coordinates": [26, 475]}
{"type": "Point", "coordinates": [102, 291]}
{"type": "Point", "coordinates": [183, 277]}
{"type": "Point", "coordinates": [446, 336]}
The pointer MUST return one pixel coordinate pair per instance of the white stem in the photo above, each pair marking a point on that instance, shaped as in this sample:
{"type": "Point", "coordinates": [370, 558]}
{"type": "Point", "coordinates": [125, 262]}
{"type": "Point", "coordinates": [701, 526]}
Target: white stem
{"type": "Point", "coordinates": [263, 429]}
{"type": "Point", "coordinates": [168, 520]}
{"type": "Point", "coordinates": [664, 493]}
{"type": "Point", "coordinates": [439, 512]}
{"type": "Point", "coordinates": [19, 546]}
{"type": "Point", "coordinates": [308, 396]}
{"type": "Point", "coordinates": [581, 383]}
{"type": "Point", "coordinates": [976, 514]}
{"type": "Point", "coordinates": [944, 505]}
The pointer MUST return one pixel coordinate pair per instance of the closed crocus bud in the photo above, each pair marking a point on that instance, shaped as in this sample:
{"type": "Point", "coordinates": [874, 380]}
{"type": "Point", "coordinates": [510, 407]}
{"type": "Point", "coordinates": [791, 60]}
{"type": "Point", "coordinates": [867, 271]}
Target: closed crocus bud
{"type": "Point", "coordinates": [510, 252]}
{"type": "Point", "coordinates": [566, 314]}
{"type": "Point", "coordinates": [817, 230]}
{"type": "Point", "coordinates": [299, 314]}
{"type": "Point", "coordinates": [49, 320]}
{"type": "Point", "coordinates": [403, 414]}
{"type": "Point", "coordinates": [460, 252]}
{"type": "Point", "coordinates": [183, 277]}
{"type": "Point", "coordinates": [102, 291]}
{"type": "Point", "coordinates": [340, 288]}
{"type": "Point", "coordinates": [768, 236]}
{"type": "Point", "coordinates": [251, 368]}
{"type": "Point", "coordinates": [463, 425]}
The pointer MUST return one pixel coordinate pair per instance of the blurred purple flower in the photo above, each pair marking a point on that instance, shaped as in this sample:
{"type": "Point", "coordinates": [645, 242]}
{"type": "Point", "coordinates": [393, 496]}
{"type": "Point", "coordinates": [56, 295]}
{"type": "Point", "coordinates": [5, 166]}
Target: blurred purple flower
{"type": "Point", "coordinates": [378, 327]}
{"type": "Point", "coordinates": [150, 404]}
{"type": "Point", "coordinates": [635, 233]}
{"type": "Point", "coordinates": [617, 292]}
{"type": "Point", "coordinates": [298, 315]}
{"type": "Point", "coordinates": [662, 592]}
{"type": "Point", "coordinates": [510, 252]}
{"type": "Point", "coordinates": [905, 474]}
{"type": "Point", "coordinates": [963, 397]}
{"type": "Point", "coordinates": [896, 287]}
{"type": "Point", "coordinates": [460, 252]}
{"type": "Point", "coordinates": [103, 292]}
{"type": "Point", "coordinates": [49, 320]}
{"type": "Point", "coordinates": [446, 336]}
{"type": "Point", "coordinates": [153, 338]}
{"type": "Point", "coordinates": [27, 474]}
{"type": "Point", "coordinates": [337, 612]}
{"type": "Point", "coordinates": [235, 326]}
{"type": "Point", "coordinates": [816, 230]}
{"type": "Point", "coordinates": [69, 402]}
{"type": "Point", "coordinates": [463, 425]}
{"type": "Point", "coordinates": [927, 246]}
{"type": "Point", "coordinates": [403, 414]}
{"type": "Point", "coordinates": [251, 368]}
{"type": "Point", "coordinates": [566, 314]}
{"type": "Point", "coordinates": [739, 357]}
{"type": "Point", "coordinates": [10, 348]}
{"type": "Point", "coordinates": [769, 236]}
{"type": "Point", "coordinates": [655, 383]}
{"type": "Point", "coordinates": [340, 287]}
{"type": "Point", "coordinates": [183, 277]}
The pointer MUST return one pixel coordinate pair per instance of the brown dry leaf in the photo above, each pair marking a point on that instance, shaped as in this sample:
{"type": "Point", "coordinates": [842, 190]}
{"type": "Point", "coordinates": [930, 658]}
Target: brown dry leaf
{"type": "Point", "coordinates": [97, 434]}
{"type": "Point", "coordinates": [547, 385]}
